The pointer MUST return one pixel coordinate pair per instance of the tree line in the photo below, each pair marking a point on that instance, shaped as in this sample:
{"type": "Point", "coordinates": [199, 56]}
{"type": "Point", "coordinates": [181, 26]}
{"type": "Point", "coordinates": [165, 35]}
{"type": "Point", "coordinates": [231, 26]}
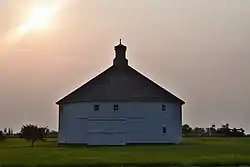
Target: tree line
{"type": "Point", "coordinates": [224, 131]}
{"type": "Point", "coordinates": [31, 133]}
{"type": "Point", "coordinates": [34, 133]}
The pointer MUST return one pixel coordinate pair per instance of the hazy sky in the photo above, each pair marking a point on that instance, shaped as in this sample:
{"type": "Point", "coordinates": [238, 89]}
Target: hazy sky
{"type": "Point", "coordinates": [196, 49]}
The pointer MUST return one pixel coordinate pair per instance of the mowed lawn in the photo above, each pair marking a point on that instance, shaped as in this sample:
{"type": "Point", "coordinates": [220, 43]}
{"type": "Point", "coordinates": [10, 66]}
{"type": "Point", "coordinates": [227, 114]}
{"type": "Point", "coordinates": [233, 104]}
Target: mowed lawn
{"type": "Point", "coordinates": [193, 151]}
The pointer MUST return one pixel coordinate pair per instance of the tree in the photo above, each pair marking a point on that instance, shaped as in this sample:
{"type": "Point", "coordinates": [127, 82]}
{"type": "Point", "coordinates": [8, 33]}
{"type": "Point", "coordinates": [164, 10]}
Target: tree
{"type": "Point", "coordinates": [33, 133]}
{"type": "Point", "coordinates": [9, 132]}
{"type": "Point", "coordinates": [237, 132]}
{"type": "Point", "coordinates": [186, 129]}
{"type": "Point", "coordinates": [199, 131]}
{"type": "Point", "coordinates": [212, 130]}
{"type": "Point", "coordinates": [2, 137]}
{"type": "Point", "coordinates": [53, 134]}
{"type": "Point", "coordinates": [224, 130]}
{"type": "Point", "coordinates": [5, 131]}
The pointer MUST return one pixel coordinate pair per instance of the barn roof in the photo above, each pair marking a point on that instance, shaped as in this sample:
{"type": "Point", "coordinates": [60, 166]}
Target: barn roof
{"type": "Point", "coordinates": [121, 83]}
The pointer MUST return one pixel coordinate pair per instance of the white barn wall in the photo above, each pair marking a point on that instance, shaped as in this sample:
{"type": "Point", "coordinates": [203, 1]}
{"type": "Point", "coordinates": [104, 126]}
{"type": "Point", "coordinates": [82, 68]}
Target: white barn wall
{"type": "Point", "coordinates": [134, 122]}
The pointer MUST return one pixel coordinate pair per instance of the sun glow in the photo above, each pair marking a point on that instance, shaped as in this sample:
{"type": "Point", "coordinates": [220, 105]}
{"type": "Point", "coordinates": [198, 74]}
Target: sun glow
{"type": "Point", "coordinates": [38, 18]}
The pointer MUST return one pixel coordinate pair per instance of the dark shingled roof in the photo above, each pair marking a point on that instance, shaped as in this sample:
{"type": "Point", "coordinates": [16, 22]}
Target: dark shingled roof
{"type": "Point", "coordinates": [122, 85]}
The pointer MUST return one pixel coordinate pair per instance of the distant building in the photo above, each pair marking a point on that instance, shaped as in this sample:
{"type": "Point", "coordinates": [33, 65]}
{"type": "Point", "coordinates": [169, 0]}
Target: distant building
{"type": "Point", "coordinates": [120, 106]}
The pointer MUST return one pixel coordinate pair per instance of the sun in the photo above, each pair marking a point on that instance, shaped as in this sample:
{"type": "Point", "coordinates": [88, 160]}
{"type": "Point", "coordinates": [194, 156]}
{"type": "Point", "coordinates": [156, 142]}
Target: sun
{"type": "Point", "coordinates": [38, 18]}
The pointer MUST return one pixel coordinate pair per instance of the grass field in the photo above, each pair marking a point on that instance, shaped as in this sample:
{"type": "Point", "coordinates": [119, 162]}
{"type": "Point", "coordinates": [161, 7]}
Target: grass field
{"type": "Point", "coordinates": [193, 151]}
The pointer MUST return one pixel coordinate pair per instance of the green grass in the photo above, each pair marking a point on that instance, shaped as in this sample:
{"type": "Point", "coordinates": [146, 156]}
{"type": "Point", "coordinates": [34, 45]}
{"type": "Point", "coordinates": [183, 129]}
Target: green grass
{"type": "Point", "coordinates": [193, 151]}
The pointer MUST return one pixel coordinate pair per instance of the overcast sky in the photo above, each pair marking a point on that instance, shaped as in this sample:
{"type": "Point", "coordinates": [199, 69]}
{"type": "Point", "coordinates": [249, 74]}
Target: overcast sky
{"type": "Point", "coordinates": [197, 49]}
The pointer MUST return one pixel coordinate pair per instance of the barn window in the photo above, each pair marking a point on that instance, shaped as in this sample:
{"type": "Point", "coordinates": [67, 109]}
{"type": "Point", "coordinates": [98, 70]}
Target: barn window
{"type": "Point", "coordinates": [164, 129]}
{"type": "Point", "coordinates": [96, 107]}
{"type": "Point", "coordinates": [163, 107]}
{"type": "Point", "coordinates": [116, 107]}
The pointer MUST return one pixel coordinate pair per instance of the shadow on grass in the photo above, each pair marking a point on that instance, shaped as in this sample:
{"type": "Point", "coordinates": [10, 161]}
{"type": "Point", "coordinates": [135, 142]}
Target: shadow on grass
{"type": "Point", "coordinates": [115, 146]}
{"type": "Point", "coordinates": [53, 144]}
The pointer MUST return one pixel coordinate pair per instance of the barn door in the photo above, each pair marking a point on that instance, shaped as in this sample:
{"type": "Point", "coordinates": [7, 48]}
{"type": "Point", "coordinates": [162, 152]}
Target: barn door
{"type": "Point", "coordinates": [106, 131]}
